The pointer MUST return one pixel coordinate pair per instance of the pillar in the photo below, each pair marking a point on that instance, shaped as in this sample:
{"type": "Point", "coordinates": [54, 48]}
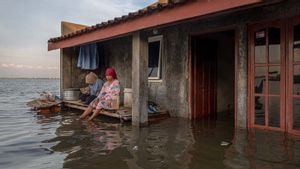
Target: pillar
{"type": "Point", "coordinates": [242, 79]}
{"type": "Point", "coordinates": [139, 80]}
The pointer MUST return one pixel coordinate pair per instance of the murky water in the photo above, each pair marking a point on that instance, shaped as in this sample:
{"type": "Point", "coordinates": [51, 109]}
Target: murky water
{"type": "Point", "coordinates": [31, 140]}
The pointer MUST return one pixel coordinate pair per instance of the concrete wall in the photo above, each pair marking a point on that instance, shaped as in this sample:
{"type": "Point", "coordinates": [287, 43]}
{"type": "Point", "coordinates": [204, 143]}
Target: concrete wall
{"type": "Point", "coordinates": [172, 92]}
{"type": "Point", "coordinates": [118, 54]}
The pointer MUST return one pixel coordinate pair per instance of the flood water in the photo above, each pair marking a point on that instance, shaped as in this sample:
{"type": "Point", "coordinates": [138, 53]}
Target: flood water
{"type": "Point", "coordinates": [31, 140]}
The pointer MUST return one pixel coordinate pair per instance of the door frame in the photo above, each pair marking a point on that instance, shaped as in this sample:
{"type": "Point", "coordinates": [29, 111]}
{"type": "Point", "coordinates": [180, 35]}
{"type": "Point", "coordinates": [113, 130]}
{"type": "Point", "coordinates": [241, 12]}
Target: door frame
{"type": "Point", "coordinates": [190, 65]}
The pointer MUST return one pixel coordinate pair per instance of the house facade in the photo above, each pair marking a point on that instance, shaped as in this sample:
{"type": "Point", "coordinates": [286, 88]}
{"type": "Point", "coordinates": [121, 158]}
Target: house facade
{"type": "Point", "coordinates": [196, 58]}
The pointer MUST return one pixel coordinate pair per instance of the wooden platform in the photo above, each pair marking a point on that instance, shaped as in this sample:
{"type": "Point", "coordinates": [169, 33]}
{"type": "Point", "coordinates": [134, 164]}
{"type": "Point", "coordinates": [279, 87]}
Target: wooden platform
{"type": "Point", "coordinates": [124, 114]}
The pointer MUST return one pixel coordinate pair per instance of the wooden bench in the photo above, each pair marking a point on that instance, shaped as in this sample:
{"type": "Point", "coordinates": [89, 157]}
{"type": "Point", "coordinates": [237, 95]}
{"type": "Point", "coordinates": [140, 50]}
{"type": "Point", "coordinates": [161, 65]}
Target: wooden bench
{"type": "Point", "coordinates": [123, 113]}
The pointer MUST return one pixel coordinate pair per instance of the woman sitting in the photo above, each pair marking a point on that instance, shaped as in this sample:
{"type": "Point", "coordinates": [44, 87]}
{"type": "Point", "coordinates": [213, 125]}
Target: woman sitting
{"type": "Point", "coordinates": [93, 90]}
{"type": "Point", "coordinates": [104, 100]}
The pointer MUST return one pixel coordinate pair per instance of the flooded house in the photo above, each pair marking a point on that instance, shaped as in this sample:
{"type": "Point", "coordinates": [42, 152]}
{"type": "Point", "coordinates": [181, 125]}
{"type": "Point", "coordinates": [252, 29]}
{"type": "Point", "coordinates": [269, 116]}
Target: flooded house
{"type": "Point", "coordinates": [199, 59]}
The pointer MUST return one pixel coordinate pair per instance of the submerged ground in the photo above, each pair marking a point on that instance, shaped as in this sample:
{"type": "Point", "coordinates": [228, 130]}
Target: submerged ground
{"type": "Point", "coordinates": [31, 140]}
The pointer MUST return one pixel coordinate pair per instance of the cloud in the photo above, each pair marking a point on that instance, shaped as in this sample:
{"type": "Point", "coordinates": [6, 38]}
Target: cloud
{"type": "Point", "coordinates": [11, 70]}
{"type": "Point", "coordinates": [22, 66]}
{"type": "Point", "coordinates": [4, 65]}
{"type": "Point", "coordinates": [27, 25]}
{"type": "Point", "coordinates": [52, 68]}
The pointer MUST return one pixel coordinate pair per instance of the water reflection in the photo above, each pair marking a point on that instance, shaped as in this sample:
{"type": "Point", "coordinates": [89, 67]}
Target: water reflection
{"type": "Point", "coordinates": [274, 45]}
{"type": "Point", "coordinates": [260, 46]}
{"type": "Point", "coordinates": [262, 149]}
{"type": "Point", "coordinates": [173, 143]}
{"type": "Point", "coordinates": [296, 79]}
{"type": "Point", "coordinates": [274, 79]}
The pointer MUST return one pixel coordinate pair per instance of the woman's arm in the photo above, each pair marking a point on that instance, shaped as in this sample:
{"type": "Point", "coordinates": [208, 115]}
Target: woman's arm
{"type": "Point", "coordinates": [102, 91]}
{"type": "Point", "coordinates": [113, 91]}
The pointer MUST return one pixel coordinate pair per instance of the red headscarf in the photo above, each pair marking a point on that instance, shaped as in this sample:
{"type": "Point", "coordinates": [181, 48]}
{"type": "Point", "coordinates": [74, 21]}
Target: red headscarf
{"type": "Point", "coordinates": [111, 72]}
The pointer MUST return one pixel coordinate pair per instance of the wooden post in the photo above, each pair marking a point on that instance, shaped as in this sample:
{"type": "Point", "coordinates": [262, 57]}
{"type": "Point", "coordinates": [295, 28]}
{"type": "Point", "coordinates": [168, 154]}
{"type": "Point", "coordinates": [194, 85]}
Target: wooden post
{"type": "Point", "coordinates": [139, 80]}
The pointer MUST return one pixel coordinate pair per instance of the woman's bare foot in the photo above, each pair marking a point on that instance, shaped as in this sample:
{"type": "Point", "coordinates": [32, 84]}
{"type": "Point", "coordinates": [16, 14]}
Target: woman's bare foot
{"type": "Point", "coordinates": [86, 113]}
{"type": "Point", "coordinates": [84, 118]}
{"type": "Point", "coordinates": [95, 114]}
{"type": "Point", "coordinates": [81, 117]}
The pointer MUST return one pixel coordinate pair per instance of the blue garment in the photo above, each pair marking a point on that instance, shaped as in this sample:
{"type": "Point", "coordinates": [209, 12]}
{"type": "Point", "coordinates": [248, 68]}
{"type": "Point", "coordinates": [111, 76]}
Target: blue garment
{"type": "Point", "coordinates": [96, 88]}
{"type": "Point", "coordinates": [88, 57]}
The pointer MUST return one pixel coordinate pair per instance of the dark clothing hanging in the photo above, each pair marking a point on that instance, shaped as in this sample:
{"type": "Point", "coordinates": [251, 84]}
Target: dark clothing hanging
{"type": "Point", "coordinates": [88, 58]}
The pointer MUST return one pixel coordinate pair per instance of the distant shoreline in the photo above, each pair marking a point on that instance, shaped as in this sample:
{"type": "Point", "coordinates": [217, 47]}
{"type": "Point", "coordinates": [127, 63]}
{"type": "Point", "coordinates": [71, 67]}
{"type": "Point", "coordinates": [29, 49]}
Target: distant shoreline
{"type": "Point", "coordinates": [28, 78]}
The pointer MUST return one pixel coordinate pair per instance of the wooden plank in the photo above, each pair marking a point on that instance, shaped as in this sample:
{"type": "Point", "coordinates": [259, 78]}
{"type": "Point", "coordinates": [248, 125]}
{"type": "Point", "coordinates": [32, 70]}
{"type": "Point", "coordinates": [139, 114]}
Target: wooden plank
{"type": "Point", "coordinates": [76, 103]}
{"type": "Point", "coordinates": [120, 114]}
{"type": "Point", "coordinates": [75, 106]}
{"type": "Point", "coordinates": [124, 114]}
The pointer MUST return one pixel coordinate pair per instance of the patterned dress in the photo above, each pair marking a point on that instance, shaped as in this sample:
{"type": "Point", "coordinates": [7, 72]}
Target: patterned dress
{"type": "Point", "coordinates": [104, 99]}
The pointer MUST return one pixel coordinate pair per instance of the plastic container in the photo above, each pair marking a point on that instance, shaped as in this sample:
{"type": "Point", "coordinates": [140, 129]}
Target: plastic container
{"type": "Point", "coordinates": [115, 105]}
{"type": "Point", "coordinates": [127, 97]}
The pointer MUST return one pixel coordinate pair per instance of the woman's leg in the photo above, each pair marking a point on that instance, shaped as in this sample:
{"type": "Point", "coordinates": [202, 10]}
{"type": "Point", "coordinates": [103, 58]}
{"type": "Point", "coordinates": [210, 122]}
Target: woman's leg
{"type": "Point", "coordinates": [96, 113]}
{"type": "Point", "coordinates": [86, 112]}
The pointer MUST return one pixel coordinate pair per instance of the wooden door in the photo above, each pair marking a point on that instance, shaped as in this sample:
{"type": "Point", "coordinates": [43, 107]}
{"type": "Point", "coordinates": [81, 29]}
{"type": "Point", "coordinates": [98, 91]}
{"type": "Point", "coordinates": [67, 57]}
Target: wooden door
{"type": "Point", "coordinates": [267, 75]}
{"type": "Point", "coordinates": [204, 69]}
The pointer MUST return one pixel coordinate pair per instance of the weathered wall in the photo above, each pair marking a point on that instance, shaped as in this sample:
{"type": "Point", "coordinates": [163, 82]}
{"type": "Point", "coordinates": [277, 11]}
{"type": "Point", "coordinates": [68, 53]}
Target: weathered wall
{"type": "Point", "coordinates": [172, 91]}
{"type": "Point", "coordinates": [72, 77]}
{"type": "Point", "coordinates": [118, 54]}
{"type": "Point", "coordinates": [65, 69]}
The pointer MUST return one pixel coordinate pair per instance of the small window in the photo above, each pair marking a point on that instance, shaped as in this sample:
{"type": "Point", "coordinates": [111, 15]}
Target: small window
{"type": "Point", "coordinates": [154, 57]}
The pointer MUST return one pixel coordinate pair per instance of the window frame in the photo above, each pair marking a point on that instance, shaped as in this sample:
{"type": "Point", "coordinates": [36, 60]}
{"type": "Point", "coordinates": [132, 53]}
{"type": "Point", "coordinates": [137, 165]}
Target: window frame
{"type": "Point", "coordinates": [251, 72]}
{"type": "Point", "coordinates": [156, 39]}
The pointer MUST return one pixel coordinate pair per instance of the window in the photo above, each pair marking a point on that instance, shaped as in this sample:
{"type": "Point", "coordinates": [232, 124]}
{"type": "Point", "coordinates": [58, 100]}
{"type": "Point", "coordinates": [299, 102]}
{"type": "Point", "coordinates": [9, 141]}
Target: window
{"type": "Point", "coordinates": [267, 76]}
{"type": "Point", "coordinates": [154, 57]}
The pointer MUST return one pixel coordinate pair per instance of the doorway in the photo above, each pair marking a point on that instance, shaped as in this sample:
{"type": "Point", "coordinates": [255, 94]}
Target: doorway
{"type": "Point", "coordinates": [212, 75]}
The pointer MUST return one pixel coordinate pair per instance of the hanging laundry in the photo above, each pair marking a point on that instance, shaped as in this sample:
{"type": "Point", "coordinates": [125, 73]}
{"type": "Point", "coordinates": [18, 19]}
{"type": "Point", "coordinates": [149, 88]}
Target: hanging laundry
{"type": "Point", "coordinates": [88, 58]}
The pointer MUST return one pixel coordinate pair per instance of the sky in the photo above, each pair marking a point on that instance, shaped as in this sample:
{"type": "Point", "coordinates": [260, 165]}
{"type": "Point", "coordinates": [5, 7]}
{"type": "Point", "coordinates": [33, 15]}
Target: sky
{"type": "Point", "coordinates": [26, 26]}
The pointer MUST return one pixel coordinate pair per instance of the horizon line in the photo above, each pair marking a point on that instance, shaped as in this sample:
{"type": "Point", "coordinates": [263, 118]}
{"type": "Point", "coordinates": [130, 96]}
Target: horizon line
{"type": "Point", "coordinates": [29, 78]}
